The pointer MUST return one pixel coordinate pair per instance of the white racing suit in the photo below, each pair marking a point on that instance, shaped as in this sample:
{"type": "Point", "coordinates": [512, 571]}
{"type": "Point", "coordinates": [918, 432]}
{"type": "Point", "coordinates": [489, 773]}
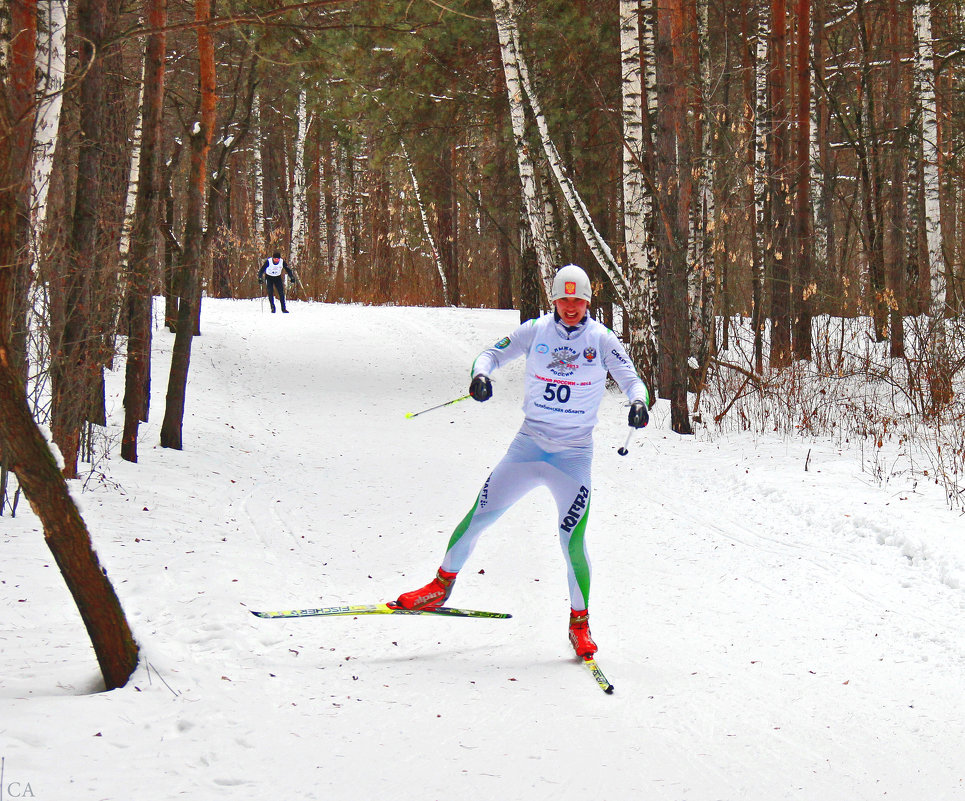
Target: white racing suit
{"type": "Point", "coordinates": [566, 371]}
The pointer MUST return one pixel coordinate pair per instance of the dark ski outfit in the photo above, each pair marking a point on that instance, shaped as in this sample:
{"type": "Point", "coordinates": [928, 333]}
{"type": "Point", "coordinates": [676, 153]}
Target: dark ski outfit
{"type": "Point", "coordinates": [272, 268]}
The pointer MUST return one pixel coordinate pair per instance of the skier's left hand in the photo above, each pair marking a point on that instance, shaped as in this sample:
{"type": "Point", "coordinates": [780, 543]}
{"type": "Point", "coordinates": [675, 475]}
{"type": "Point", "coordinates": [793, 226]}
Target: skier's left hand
{"type": "Point", "coordinates": [639, 416]}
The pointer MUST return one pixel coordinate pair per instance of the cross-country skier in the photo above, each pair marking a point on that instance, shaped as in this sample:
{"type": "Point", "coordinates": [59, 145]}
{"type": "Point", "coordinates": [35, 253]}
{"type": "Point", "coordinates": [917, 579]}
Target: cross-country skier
{"type": "Point", "coordinates": [568, 356]}
{"type": "Point", "coordinates": [272, 268]}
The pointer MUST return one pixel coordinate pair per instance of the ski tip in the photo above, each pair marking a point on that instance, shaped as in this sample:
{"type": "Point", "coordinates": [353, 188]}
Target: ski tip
{"type": "Point", "coordinates": [608, 690]}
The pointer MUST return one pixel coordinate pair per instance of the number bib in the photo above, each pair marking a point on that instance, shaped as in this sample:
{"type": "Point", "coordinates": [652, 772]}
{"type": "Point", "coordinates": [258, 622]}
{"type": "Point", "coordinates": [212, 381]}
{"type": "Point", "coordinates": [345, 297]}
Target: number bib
{"type": "Point", "coordinates": [565, 380]}
{"type": "Point", "coordinates": [565, 375]}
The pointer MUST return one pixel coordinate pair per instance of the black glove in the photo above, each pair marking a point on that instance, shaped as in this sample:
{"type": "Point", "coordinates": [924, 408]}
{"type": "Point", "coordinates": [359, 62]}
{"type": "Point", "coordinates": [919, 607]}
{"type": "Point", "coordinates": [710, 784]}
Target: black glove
{"type": "Point", "coordinates": [481, 388]}
{"type": "Point", "coordinates": [638, 417]}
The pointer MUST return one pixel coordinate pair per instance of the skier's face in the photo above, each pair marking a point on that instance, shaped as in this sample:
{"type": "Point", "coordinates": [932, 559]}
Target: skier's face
{"type": "Point", "coordinates": [571, 310]}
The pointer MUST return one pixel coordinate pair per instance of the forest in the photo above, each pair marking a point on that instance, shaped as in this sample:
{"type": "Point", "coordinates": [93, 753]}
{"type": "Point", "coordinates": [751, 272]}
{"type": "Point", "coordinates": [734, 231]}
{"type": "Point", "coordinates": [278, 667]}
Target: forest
{"type": "Point", "coordinates": [767, 196]}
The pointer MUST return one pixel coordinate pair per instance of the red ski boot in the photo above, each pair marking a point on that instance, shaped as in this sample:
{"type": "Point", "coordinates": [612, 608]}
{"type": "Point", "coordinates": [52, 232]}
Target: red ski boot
{"type": "Point", "coordinates": [432, 596]}
{"type": "Point", "coordinates": [580, 634]}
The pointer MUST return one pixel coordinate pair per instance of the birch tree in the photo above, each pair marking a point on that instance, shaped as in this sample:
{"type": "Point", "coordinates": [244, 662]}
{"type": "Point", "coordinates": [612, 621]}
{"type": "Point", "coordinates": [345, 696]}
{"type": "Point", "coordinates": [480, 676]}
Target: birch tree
{"type": "Point", "coordinates": [259, 210]}
{"type": "Point", "coordinates": [637, 201]}
{"type": "Point", "coordinates": [426, 228]}
{"type": "Point", "coordinates": [51, 69]}
{"type": "Point", "coordinates": [939, 379]}
{"type": "Point", "coordinates": [299, 195]}
{"type": "Point", "coordinates": [757, 70]}
{"type": "Point", "coordinates": [702, 278]}
{"type": "Point", "coordinates": [597, 245]}
{"type": "Point", "coordinates": [546, 248]}
{"type": "Point", "coordinates": [674, 337]}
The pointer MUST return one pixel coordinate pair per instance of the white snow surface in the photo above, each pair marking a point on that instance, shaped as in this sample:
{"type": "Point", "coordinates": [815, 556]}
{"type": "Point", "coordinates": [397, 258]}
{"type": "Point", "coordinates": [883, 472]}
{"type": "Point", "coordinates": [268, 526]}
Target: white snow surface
{"type": "Point", "coordinates": [776, 624]}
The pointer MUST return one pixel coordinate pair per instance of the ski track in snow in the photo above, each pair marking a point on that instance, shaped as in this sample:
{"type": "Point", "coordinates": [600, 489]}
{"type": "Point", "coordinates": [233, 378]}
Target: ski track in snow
{"type": "Point", "coordinates": [772, 632]}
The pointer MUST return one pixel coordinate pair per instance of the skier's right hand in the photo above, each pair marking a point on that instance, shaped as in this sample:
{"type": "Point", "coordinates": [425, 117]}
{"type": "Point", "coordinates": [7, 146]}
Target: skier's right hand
{"type": "Point", "coordinates": [481, 388]}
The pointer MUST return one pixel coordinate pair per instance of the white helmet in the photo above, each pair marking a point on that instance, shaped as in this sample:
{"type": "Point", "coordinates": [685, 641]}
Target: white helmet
{"type": "Point", "coordinates": [571, 282]}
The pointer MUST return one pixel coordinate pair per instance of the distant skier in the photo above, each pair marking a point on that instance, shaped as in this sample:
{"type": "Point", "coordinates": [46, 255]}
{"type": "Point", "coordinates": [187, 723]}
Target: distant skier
{"type": "Point", "coordinates": [568, 356]}
{"type": "Point", "coordinates": [272, 268]}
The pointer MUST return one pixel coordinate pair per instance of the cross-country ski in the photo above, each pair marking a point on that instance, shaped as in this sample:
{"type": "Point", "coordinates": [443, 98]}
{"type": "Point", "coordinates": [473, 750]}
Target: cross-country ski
{"type": "Point", "coordinates": [601, 679]}
{"type": "Point", "coordinates": [381, 609]}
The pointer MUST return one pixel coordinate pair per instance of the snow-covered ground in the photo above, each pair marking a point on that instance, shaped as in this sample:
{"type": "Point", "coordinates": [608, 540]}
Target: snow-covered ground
{"type": "Point", "coordinates": [777, 626]}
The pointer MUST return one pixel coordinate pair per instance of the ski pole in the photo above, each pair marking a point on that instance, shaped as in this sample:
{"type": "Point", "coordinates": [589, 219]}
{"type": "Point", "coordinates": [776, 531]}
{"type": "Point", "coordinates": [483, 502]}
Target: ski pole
{"type": "Point", "coordinates": [623, 451]}
{"type": "Point", "coordinates": [431, 408]}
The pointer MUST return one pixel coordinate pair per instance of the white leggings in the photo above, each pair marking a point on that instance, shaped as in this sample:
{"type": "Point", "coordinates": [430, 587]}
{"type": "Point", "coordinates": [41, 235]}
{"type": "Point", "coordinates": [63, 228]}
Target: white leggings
{"type": "Point", "coordinates": [529, 463]}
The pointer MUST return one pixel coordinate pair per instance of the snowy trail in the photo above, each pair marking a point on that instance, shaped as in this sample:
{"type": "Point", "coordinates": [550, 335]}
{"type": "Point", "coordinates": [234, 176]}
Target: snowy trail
{"type": "Point", "coordinates": [773, 633]}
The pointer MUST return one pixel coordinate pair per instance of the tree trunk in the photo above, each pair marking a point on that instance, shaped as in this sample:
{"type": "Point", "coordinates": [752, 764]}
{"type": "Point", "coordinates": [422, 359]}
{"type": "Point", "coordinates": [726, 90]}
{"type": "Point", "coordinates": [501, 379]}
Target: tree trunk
{"type": "Point", "coordinates": [778, 190]}
{"type": "Point", "coordinates": [869, 161]}
{"type": "Point", "coordinates": [896, 120]}
{"type": "Point", "coordinates": [65, 532]}
{"type": "Point", "coordinates": [672, 167]}
{"type": "Point", "coordinates": [75, 360]}
{"type": "Point", "coordinates": [190, 300]}
{"type": "Point", "coordinates": [137, 379]}
{"type": "Point", "coordinates": [25, 450]}
{"type": "Point", "coordinates": [803, 251]}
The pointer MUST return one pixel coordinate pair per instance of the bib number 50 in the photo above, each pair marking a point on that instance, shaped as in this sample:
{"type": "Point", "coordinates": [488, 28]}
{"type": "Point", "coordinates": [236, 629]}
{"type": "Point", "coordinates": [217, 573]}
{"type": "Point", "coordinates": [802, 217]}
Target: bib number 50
{"type": "Point", "coordinates": [557, 392]}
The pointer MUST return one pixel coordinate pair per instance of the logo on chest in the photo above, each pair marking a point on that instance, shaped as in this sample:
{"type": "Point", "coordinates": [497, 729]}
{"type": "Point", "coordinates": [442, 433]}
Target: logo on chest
{"type": "Point", "coordinates": [564, 362]}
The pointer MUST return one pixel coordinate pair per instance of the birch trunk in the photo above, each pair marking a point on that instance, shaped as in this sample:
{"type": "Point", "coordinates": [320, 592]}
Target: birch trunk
{"type": "Point", "coordinates": [925, 81]}
{"type": "Point", "coordinates": [703, 293]}
{"type": "Point", "coordinates": [597, 245]}
{"type": "Point", "coordinates": [124, 244]}
{"type": "Point", "coordinates": [426, 228]}
{"type": "Point", "coordinates": [925, 76]}
{"type": "Point", "coordinates": [759, 153]}
{"type": "Point", "coordinates": [544, 247]}
{"type": "Point", "coordinates": [299, 194]}
{"type": "Point", "coordinates": [259, 177]}
{"type": "Point", "coordinates": [820, 199]}
{"type": "Point", "coordinates": [340, 239]}
{"type": "Point", "coordinates": [637, 205]}
{"type": "Point", "coordinates": [51, 68]}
